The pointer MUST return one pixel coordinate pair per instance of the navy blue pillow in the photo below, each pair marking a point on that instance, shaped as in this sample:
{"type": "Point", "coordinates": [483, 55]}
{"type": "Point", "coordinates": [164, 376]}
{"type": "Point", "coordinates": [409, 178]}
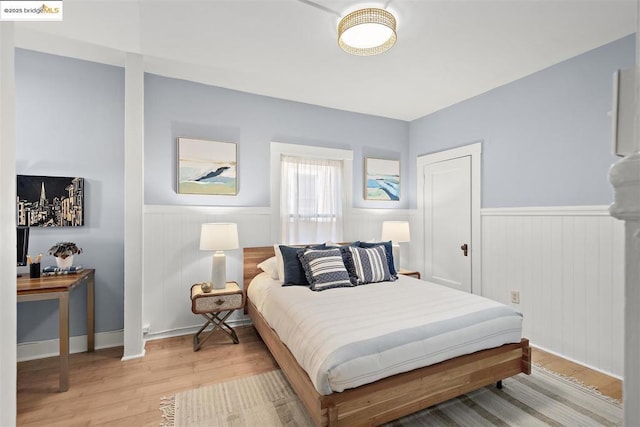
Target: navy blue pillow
{"type": "Point", "coordinates": [294, 274]}
{"type": "Point", "coordinates": [389, 249]}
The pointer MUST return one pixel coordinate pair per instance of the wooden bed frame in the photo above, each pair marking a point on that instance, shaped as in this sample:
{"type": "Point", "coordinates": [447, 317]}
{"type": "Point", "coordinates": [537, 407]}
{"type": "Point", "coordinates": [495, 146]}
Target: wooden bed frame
{"type": "Point", "coordinates": [393, 397]}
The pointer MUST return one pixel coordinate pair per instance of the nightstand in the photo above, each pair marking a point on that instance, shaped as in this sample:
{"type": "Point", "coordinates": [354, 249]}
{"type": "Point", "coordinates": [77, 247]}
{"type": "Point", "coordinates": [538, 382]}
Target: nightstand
{"type": "Point", "coordinates": [410, 273]}
{"type": "Point", "coordinates": [216, 306]}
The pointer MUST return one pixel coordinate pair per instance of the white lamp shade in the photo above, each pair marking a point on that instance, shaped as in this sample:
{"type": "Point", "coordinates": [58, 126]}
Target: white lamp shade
{"type": "Point", "coordinates": [215, 236]}
{"type": "Point", "coordinates": [396, 231]}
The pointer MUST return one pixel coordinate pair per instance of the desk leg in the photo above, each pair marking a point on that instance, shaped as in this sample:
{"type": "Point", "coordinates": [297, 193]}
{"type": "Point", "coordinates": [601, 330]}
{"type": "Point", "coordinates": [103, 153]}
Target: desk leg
{"type": "Point", "coordinates": [91, 346]}
{"type": "Point", "coordinates": [63, 302]}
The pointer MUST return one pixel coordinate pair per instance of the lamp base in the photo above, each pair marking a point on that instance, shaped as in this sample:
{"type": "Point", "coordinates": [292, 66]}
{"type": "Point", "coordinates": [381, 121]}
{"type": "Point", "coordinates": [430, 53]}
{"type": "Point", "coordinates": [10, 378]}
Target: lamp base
{"type": "Point", "coordinates": [395, 250]}
{"type": "Point", "coordinates": [219, 270]}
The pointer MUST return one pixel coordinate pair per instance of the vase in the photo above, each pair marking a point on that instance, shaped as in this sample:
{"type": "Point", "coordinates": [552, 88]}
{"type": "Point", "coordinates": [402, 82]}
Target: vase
{"type": "Point", "coordinates": [64, 262]}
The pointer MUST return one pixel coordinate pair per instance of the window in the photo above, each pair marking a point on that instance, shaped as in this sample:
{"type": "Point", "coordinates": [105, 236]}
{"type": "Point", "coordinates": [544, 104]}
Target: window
{"type": "Point", "coordinates": [310, 192]}
{"type": "Point", "coordinates": [310, 200]}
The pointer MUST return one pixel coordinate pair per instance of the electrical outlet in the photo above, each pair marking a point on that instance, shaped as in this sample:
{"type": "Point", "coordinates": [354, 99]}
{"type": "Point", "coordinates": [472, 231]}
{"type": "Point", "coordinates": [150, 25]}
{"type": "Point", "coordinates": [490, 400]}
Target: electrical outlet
{"type": "Point", "coordinates": [515, 297]}
{"type": "Point", "coordinates": [146, 329]}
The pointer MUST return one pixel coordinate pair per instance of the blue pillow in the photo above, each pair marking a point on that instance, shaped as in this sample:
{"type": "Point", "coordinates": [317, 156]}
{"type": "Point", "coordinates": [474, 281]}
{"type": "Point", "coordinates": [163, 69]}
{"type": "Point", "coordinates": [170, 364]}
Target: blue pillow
{"type": "Point", "coordinates": [368, 264]}
{"type": "Point", "coordinates": [389, 249]}
{"type": "Point", "coordinates": [325, 269]}
{"type": "Point", "coordinates": [294, 274]}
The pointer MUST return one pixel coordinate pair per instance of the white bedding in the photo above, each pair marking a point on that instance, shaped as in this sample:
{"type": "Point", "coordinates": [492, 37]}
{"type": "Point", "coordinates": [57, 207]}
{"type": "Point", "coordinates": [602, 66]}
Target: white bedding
{"type": "Point", "coordinates": [347, 337]}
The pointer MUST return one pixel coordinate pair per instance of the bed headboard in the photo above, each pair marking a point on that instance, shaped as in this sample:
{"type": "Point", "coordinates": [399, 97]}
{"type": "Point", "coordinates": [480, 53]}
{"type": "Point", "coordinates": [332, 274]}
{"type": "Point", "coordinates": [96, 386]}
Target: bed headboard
{"type": "Point", "coordinates": [251, 257]}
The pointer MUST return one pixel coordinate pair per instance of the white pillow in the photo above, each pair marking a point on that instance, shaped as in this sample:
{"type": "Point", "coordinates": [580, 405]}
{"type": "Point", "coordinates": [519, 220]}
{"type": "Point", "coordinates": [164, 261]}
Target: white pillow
{"type": "Point", "coordinates": [270, 266]}
{"type": "Point", "coordinates": [279, 261]}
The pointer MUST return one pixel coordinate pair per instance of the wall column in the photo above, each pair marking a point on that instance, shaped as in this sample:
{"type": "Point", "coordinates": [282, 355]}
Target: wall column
{"type": "Point", "coordinates": [625, 178]}
{"type": "Point", "coordinates": [8, 310]}
{"type": "Point", "coordinates": [133, 205]}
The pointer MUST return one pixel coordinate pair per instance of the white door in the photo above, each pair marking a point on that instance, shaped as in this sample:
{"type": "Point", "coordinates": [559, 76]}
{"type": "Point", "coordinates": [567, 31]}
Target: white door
{"type": "Point", "coordinates": [447, 203]}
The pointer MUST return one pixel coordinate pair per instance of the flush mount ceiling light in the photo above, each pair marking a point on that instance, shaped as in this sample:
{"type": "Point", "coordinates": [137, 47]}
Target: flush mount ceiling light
{"type": "Point", "coordinates": [367, 32]}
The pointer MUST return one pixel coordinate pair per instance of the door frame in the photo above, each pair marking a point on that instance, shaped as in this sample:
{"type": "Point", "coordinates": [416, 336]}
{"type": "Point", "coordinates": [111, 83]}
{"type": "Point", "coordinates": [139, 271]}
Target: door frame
{"type": "Point", "coordinates": [473, 150]}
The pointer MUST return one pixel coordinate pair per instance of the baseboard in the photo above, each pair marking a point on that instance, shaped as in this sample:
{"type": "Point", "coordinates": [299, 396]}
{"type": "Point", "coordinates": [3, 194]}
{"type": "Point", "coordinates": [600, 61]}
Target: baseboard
{"type": "Point", "coordinates": [49, 348]}
{"type": "Point", "coordinates": [593, 368]}
{"type": "Point", "coordinates": [190, 330]}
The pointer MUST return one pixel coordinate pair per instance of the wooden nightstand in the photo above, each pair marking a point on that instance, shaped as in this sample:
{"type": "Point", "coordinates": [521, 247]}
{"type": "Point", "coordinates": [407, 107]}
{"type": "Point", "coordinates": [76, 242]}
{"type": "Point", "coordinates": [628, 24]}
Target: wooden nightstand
{"type": "Point", "coordinates": [410, 273]}
{"type": "Point", "coordinates": [216, 306]}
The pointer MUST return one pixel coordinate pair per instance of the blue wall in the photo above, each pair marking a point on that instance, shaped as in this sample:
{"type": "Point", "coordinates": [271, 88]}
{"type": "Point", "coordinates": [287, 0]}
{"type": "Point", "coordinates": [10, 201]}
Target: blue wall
{"type": "Point", "coordinates": [546, 143]}
{"type": "Point", "coordinates": [70, 122]}
{"type": "Point", "coordinates": [176, 108]}
{"type": "Point", "coordinates": [546, 137]}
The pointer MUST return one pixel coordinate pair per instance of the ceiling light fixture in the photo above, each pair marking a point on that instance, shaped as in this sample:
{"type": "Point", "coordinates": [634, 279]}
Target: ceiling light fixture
{"type": "Point", "coordinates": [367, 32]}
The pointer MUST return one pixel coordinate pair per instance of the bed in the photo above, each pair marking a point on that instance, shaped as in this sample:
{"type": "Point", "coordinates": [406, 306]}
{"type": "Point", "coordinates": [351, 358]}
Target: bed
{"type": "Point", "coordinates": [387, 398]}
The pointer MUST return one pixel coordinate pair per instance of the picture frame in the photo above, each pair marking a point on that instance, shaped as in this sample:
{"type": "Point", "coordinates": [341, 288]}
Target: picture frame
{"type": "Point", "coordinates": [207, 167]}
{"type": "Point", "coordinates": [381, 179]}
{"type": "Point", "coordinates": [49, 201]}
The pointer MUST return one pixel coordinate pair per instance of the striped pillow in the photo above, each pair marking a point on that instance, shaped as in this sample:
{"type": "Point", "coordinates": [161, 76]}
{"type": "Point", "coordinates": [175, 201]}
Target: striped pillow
{"type": "Point", "coordinates": [324, 269]}
{"type": "Point", "coordinates": [369, 264]}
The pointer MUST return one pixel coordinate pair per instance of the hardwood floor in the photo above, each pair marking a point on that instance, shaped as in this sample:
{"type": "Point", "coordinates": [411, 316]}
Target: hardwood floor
{"type": "Point", "coordinates": [607, 385]}
{"type": "Point", "coordinates": [106, 391]}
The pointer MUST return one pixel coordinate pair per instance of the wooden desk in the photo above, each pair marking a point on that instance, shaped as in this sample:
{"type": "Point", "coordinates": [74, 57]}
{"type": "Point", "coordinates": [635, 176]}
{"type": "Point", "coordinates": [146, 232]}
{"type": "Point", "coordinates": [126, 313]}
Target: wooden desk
{"type": "Point", "coordinates": [59, 287]}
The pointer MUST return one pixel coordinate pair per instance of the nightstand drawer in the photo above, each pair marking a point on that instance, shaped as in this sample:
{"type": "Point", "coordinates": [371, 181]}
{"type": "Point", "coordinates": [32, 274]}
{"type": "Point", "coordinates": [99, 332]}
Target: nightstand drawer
{"type": "Point", "coordinates": [208, 304]}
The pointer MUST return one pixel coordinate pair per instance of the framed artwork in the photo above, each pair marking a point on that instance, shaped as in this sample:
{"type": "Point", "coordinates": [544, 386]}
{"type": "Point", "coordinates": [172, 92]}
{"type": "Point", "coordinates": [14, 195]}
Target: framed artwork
{"type": "Point", "coordinates": [382, 179]}
{"type": "Point", "coordinates": [50, 201]}
{"type": "Point", "coordinates": [207, 167]}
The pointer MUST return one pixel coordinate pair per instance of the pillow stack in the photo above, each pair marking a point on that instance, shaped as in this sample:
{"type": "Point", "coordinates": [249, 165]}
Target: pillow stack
{"type": "Point", "coordinates": [331, 266]}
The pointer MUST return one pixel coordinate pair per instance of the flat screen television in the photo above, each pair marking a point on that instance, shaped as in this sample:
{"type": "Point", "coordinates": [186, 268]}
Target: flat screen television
{"type": "Point", "coordinates": [22, 245]}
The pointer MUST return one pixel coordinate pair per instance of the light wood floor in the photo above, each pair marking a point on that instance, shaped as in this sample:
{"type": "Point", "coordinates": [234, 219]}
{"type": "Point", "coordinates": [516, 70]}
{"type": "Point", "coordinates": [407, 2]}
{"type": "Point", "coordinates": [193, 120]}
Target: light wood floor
{"type": "Point", "coordinates": [106, 391]}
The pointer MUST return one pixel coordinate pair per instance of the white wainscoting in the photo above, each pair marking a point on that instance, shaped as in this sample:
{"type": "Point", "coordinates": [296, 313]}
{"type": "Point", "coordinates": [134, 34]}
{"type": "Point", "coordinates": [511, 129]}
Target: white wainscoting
{"type": "Point", "coordinates": [568, 265]}
{"type": "Point", "coordinates": [173, 261]}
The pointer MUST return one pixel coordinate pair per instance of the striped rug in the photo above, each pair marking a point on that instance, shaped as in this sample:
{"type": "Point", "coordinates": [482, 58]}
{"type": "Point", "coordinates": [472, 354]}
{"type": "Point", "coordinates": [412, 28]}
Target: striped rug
{"type": "Point", "coordinates": [541, 399]}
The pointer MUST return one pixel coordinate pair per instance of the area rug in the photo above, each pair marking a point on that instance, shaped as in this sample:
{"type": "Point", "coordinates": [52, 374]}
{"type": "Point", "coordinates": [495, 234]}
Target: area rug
{"type": "Point", "coordinates": [541, 399]}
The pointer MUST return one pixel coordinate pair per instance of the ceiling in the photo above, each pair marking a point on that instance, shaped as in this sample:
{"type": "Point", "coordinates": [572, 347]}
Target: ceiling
{"type": "Point", "coordinates": [447, 50]}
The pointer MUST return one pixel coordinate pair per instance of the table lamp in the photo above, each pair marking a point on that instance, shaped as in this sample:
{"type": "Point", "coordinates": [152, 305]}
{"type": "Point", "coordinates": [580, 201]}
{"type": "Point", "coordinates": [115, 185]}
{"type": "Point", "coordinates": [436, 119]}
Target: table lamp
{"type": "Point", "coordinates": [397, 232]}
{"type": "Point", "coordinates": [219, 237]}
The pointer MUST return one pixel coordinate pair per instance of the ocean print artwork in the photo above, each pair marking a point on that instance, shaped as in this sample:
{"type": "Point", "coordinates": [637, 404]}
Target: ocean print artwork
{"type": "Point", "coordinates": [207, 167]}
{"type": "Point", "coordinates": [382, 179]}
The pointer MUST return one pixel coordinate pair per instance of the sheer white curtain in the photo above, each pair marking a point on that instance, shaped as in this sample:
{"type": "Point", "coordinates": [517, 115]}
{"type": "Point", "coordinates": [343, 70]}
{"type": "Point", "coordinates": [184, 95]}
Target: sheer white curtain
{"type": "Point", "coordinates": [310, 200]}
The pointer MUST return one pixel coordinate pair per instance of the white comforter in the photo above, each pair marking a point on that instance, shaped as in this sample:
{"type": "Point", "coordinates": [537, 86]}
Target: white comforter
{"type": "Point", "coordinates": [347, 337]}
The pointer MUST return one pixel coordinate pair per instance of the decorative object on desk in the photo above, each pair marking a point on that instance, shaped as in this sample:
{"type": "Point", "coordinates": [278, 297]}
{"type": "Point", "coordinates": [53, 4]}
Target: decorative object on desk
{"type": "Point", "coordinates": [64, 262]}
{"type": "Point", "coordinates": [54, 270]}
{"type": "Point", "coordinates": [219, 237]}
{"type": "Point", "coordinates": [207, 167]}
{"type": "Point", "coordinates": [50, 201]}
{"type": "Point", "coordinates": [397, 232]}
{"type": "Point", "coordinates": [382, 179]}
{"type": "Point", "coordinates": [206, 287]}
{"type": "Point", "coordinates": [34, 270]}
{"type": "Point", "coordinates": [64, 252]}
{"type": "Point", "coordinates": [34, 266]}
{"type": "Point", "coordinates": [22, 246]}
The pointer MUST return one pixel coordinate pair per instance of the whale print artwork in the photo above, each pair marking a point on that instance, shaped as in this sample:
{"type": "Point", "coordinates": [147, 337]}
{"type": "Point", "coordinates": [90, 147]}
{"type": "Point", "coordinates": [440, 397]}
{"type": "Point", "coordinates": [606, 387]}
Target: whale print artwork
{"type": "Point", "coordinates": [207, 167]}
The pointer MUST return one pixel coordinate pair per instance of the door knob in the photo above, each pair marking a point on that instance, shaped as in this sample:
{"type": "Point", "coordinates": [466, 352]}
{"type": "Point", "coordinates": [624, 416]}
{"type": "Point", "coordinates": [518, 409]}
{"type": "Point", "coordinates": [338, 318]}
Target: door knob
{"type": "Point", "coordinates": [465, 249]}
